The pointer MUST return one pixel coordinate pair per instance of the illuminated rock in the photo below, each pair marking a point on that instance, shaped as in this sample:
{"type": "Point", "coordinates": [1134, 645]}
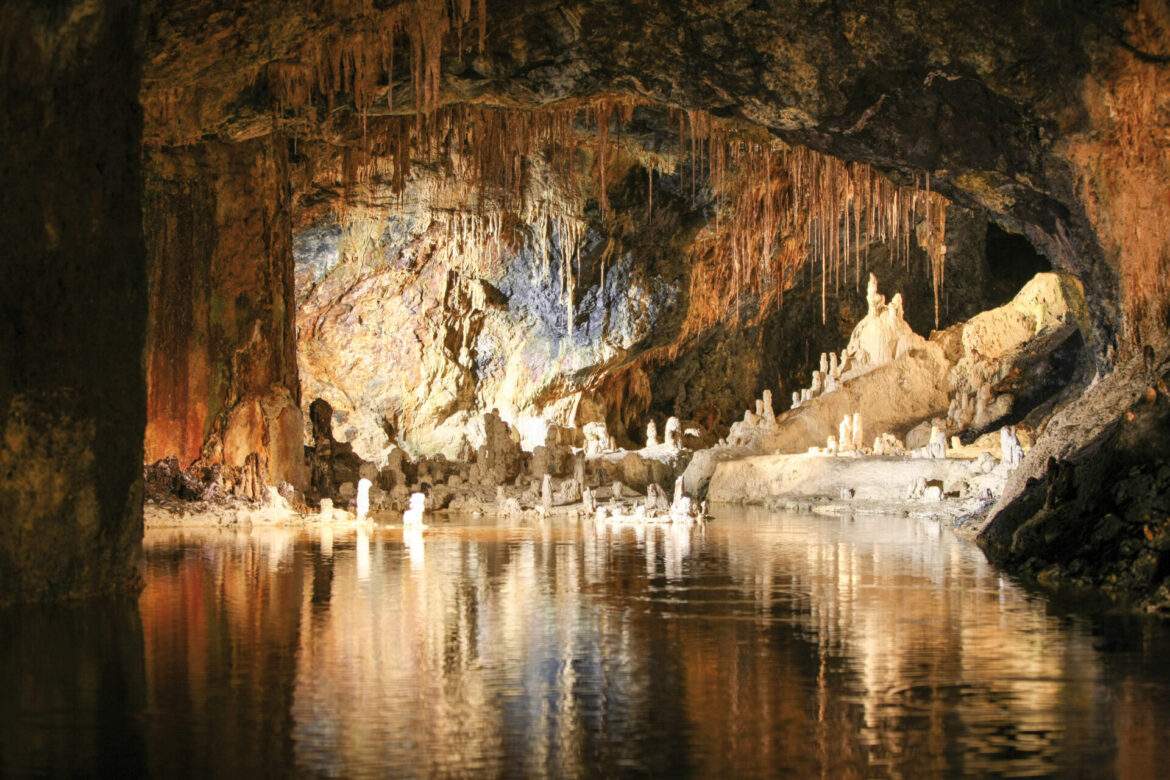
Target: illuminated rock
{"type": "Point", "coordinates": [363, 499]}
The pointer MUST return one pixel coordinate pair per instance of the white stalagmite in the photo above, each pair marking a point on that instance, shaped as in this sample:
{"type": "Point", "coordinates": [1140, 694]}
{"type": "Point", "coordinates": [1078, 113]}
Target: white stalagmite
{"type": "Point", "coordinates": [938, 443]}
{"type": "Point", "coordinates": [1009, 444]}
{"type": "Point", "coordinates": [413, 517]}
{"type": "Point", "coordinates": [363, 499]}
{"type": "Point", "coordinates": [673, 433]}
{"type": "Point", "coordinates": [845, 434]}
{"type": "Point", "coordinates": [769, 412]}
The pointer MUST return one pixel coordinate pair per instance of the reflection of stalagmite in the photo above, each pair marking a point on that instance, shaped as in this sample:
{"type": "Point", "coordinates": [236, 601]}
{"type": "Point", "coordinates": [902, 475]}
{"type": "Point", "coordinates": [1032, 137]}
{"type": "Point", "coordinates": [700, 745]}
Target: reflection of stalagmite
{"type": "Point", "coordinates": [362, 549]}
{"type": "Point", "coordinates": [412, 539]}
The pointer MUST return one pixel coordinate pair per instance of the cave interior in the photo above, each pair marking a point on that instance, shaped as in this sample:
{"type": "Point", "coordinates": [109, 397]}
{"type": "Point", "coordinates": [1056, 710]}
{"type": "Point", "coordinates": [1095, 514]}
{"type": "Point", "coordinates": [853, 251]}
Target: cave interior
{"type": "Point", "coordinates": [275, 244]}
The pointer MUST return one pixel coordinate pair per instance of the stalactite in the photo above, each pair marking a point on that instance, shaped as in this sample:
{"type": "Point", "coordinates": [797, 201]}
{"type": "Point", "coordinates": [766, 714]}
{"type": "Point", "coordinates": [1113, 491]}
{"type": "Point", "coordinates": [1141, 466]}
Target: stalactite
{"type": "Point", "coordinates": [602, 111]}
{"type": "Point", "coordinates": [771, 197]}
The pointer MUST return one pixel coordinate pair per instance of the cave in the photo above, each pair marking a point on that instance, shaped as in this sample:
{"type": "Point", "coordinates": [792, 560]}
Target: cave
{"type": "Point", "coordinates": [298, 291]}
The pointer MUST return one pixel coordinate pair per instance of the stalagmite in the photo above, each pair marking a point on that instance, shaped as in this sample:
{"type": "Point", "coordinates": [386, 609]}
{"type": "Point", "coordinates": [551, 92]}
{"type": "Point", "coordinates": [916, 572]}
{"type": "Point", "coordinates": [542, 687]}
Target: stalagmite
{"type": "Point", "coordinates": [858, 438]}
{"type": "Point", "coordinates": [596, 439]}
{"type": "Point", "coordinates": [413, 517]}
{"type": "Point", "coordinates": [546, 493]}
{"type": "Point", "coordinates": [651, 434]}
{"type": "Point", "coordinates": [845, 434]}
{"type": "Point", "coordinates": [673, 433]}
{"type": "Point", "coordinates": [818, 384]}
{"type": "Point", "coordinates": [768, 411]}
{"type": "Point", "coordinates": [1011, 452]}
{"type": "Point", "coordinates": [588, 500]}
{"type": "Point", "coordinates": [363, 499]}
{"type": "Point", "coordinates": [937, 448]}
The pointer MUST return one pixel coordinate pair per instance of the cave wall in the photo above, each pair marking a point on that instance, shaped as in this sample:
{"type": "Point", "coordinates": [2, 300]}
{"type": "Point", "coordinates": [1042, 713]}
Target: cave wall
{"type": "Point", "coordinates": [407, 328]}
{"type": "Point", "coordinates": [1040, 112]}
{"type": "Point", "coordinates": [221, 338]}
{"type": "Point", "coordinates": [73, 302]}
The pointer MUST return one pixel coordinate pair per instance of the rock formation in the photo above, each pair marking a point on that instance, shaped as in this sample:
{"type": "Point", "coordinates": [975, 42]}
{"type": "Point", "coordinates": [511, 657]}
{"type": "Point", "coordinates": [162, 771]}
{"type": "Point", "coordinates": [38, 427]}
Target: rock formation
{"type": "Point", "coordinates": [229, 135]}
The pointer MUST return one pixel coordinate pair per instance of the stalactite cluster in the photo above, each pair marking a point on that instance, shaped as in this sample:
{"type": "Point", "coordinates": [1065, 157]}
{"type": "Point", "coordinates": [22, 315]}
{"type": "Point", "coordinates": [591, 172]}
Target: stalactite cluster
{"type": "Point", "coordinates": [778, 208]}
{"type": "Point", "coordinates": [500, 169]}
{"type": "Point", "coordinates": [781, 208]}
{"type": "Point", "coordinates": [356, 57]}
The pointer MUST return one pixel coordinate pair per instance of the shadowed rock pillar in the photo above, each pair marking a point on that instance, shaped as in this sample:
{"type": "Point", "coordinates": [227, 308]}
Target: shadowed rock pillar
{"type": "Point", "coordinates": [221, 342]}
{"type": "Point", "coordinates": [72, 301]}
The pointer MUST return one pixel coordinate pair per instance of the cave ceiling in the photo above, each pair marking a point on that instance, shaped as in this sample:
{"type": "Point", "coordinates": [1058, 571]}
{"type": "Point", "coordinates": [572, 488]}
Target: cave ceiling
{"type": "Point", "coordinates": [1013, 110]}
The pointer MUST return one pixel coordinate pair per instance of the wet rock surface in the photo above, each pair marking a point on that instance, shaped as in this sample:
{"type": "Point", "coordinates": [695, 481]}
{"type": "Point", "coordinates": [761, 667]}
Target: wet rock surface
{"type": "Point", "coordinates": [1092, 515]}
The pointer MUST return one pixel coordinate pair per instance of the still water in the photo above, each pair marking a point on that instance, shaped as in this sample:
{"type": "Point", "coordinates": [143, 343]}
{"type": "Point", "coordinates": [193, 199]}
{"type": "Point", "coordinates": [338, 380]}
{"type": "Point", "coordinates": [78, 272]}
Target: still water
{"type": "Point", "coordinates": [761, 644]}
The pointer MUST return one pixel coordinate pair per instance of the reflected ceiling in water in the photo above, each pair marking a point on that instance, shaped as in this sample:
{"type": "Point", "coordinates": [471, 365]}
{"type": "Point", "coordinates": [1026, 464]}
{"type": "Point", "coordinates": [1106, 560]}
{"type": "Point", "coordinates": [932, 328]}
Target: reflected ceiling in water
{"type": "Point", "coordinates": [758, 644]}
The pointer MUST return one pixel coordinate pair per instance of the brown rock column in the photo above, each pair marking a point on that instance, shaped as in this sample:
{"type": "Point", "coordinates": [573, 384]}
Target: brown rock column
{"type": "Point", "coordinates": [221, 341]}
{"type": "Point", "coordinates": [72, 301]}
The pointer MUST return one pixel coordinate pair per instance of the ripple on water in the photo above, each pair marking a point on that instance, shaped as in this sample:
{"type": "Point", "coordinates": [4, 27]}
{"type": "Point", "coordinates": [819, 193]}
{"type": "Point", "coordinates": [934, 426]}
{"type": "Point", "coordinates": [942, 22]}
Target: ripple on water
{"type": "Point", "coordinates": [760, 644]}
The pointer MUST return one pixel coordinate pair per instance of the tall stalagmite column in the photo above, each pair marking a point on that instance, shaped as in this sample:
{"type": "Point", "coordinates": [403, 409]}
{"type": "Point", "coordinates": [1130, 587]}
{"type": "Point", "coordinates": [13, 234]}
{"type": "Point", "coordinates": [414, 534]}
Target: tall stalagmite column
{"type": "Point", "coordinates": [72, 300]}
{"type": "Point", "coordinates": [221, 341]}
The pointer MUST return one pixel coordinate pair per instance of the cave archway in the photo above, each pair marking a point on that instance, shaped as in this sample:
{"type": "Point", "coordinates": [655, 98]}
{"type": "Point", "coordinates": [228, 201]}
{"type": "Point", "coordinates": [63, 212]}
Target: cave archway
{"type": "Point", "coordinates": [963, 98]}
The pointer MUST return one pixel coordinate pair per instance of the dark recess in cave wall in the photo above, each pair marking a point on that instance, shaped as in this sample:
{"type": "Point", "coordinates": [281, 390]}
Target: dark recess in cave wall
{"type": "Point", "coordinates": [1012, 261]}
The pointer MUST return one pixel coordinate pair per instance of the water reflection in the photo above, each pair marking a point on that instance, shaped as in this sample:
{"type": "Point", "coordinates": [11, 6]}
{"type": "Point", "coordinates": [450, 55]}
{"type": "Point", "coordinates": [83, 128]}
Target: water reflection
{"type": "Point", "coordinates": [757, 645]}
